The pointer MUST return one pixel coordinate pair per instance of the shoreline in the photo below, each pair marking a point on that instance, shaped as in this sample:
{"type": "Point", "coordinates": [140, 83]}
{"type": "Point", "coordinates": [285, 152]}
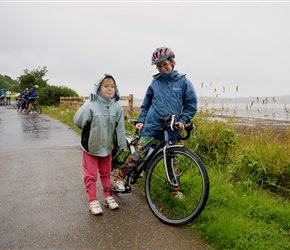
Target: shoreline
{"type": "Point", "coordinates": [241, 119]}
{"type": "Point", "coordinates": [253, 121]}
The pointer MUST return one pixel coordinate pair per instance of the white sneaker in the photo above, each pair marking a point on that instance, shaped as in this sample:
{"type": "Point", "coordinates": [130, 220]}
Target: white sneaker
{"type": "Point", "coordinates": [117, 186]}
{"type": "Point", "coordinates": [111, 203]}
{"type": "Point", "coordinates": [95, 207]}
{"type": "Point", "coordinates": [30, 112]}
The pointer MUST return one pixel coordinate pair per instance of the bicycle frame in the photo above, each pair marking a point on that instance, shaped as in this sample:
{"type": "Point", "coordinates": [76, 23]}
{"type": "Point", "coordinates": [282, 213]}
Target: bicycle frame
{"type": "Point", "coordinates": [165, 145]}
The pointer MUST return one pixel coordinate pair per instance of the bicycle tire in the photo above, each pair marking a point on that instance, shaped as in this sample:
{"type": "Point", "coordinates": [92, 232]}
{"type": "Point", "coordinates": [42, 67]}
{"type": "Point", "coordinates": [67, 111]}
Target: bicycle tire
{"type": "Point", "coordinates": [38, 108]}
{"type": "Point", "coordinates": [15, 105]}
{"type": "Point", "coordinates": [194, 185]}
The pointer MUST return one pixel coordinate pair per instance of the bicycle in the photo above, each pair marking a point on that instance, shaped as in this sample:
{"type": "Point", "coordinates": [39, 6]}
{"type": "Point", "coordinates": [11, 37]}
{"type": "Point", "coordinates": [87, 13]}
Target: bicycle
{"type": "Point", "coordinates": [160, 176]}
{"type": "Point", "coordinates": [20, 105]}
{"type": "Point", "coordinates": [3, 102]}
{"type": "Point", "coordinates": [36, 106]}
{"type": "Point", "coordinates": [16, 104]}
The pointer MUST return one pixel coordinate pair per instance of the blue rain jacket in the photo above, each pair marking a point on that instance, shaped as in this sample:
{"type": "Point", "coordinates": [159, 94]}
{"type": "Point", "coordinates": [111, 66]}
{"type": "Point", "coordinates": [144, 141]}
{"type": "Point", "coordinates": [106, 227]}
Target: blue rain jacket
{"type": "Point", "coordinates": [168, 93]}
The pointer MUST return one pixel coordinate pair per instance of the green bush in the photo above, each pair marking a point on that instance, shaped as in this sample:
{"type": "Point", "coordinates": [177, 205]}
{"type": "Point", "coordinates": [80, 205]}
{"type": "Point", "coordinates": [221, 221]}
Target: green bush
{"type": "Point", "coordinates": [50, 95]}
{"type": "Point", "coordinates": [7, 82]}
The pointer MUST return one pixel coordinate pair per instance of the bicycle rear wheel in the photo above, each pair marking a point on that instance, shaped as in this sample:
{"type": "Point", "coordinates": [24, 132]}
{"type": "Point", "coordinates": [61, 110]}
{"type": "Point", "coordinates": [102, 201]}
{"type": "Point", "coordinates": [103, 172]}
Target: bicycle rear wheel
{"type": "Point", "coordinates": [193, 186]}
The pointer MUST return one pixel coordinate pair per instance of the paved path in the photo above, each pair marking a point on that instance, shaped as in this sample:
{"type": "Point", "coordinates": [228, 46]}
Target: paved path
{"type": "Point", "coordinates": [43, 199]}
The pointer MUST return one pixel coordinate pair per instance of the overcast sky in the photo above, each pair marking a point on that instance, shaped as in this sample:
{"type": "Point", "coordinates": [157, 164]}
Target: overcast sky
{"type": "Point", "coordinates": [223, 45]}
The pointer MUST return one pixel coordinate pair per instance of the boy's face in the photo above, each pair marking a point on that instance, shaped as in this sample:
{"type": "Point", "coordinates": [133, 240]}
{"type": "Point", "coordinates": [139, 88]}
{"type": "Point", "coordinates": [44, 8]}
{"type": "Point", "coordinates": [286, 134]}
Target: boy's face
{"type": "Point", "coordinates": [107, 89]}
{"type": "Point", "coordinates": [165, 67]}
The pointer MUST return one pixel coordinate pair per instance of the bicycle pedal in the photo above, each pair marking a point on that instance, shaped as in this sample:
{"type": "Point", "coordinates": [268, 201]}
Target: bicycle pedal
{"type": "Point", "coordinates": [127, 190]}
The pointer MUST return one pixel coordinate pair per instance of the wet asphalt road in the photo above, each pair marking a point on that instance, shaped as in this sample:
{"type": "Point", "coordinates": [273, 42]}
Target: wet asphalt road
{"type": "Point", "coordinates": [43, 203]}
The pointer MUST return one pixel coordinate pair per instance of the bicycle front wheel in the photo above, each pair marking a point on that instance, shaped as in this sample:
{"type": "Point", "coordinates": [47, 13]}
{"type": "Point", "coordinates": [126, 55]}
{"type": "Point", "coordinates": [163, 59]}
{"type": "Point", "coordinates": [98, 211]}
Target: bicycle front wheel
{"type": "Point", "coordinates": [38, 108]}
{"type": "Point", "coordinates": [193, 192]}
{"type": "Point", "coordinates": [16, 105]}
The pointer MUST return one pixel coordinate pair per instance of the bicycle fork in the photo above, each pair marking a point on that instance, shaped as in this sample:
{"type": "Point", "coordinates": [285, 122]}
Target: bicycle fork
{"type": "Point", "coordinates": [170, 161]}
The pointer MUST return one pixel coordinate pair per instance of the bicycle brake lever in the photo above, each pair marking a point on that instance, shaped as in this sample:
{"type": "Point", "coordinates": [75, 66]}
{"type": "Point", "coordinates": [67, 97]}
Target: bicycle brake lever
{"type": "Point", "coordinates": [172, 122]}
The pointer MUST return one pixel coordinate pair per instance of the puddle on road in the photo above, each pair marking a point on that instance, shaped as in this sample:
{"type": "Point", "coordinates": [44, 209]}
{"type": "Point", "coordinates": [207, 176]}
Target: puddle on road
{"type": "Point", "coordinates": [18, 130]}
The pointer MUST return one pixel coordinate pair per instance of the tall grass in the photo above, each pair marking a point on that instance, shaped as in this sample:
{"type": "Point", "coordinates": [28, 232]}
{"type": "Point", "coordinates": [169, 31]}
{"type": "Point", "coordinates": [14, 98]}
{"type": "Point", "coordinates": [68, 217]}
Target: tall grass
{"type": "Point", "coordinates": [262, 156]}
{"type": "Point", "coordinates": [249, 171]}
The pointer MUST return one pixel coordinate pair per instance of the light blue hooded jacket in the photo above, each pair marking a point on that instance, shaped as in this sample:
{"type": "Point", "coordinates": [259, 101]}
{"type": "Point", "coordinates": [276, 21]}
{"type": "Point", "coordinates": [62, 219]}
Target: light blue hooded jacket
{"type": "Point", "coordinates": [167, 93]}
{"type": "Point", "coordinates": [101, 121]}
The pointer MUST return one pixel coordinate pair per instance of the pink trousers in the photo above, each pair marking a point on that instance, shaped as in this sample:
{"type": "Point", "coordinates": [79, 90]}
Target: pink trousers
{"type": "Point", "coordinates": [92, 165]}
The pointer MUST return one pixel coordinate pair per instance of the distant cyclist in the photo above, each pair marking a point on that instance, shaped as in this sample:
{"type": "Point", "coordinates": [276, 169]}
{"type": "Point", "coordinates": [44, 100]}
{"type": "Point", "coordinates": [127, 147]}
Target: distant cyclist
{"type": "Point", "coordinates": [32, 95]}
{"type": "Point", "coordinates": [17, 96]}
{"type": "Point", "coordinates": [8, 96]}
{"type": "Point", "coordinates": [2, 95]}
{"type": "Point", "coordinates": [22, 99]}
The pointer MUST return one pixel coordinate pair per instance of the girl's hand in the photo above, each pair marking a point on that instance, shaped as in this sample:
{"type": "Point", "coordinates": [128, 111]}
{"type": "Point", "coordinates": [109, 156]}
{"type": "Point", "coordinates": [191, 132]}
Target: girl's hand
{"type": "Point", "coordinates": [180, 125]}
{"type": "Point", "coordinates": [139, 126]}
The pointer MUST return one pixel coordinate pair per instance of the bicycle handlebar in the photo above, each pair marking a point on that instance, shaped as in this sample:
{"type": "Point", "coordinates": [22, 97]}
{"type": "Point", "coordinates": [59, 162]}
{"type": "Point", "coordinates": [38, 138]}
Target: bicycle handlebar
{"type": "Point", "coordinates": [188, 129]}
{"type": "Point", "coordinates": [168, 124]}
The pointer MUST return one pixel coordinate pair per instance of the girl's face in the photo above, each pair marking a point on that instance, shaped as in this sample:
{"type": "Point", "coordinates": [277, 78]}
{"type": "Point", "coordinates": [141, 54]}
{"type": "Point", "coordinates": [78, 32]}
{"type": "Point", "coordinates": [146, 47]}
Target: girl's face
{"type": "Point", "coordinates": [107, 89]}
{"type": "Point", "coordinates": [165, 67]}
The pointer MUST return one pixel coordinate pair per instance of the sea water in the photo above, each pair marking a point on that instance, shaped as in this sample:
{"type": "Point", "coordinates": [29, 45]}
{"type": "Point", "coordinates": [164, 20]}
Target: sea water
{"type": "Point", "coordinates": [273, 111]}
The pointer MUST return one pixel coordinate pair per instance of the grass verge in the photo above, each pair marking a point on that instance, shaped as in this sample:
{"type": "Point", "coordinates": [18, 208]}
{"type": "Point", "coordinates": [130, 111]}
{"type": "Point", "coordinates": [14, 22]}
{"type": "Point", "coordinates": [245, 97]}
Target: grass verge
{"type": "Point", "coordinates": [240, 216]}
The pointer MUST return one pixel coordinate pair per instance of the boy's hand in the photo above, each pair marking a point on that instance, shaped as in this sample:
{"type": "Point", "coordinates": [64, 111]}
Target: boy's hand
{"type": "Point", "coordinates": [180, 125]}
{"type": "Point", "coordinates": [139, 126]}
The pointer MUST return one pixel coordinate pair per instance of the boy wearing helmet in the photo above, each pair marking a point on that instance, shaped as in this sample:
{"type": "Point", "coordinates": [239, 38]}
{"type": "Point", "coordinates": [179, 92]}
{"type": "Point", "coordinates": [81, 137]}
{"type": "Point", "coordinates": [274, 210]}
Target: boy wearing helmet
{"type": "Point", "coordinates": [31, 97]}
{"type": "Point", "coordinates": [169, 92]}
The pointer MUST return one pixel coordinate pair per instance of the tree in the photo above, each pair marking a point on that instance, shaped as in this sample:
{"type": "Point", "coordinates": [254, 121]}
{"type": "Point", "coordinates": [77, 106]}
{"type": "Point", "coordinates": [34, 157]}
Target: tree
{"type": "Point", "coordinates": [49, 94]}
{"type": "Point", "coordinates": [33, 77]}
{"type": "Point", "coordinates": [7, 82]}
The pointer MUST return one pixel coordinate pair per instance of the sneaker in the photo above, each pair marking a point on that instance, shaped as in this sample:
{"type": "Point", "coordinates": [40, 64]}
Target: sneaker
{"type": "Point", "coordinates": [30, 112]}
{"type": "Point", "coordinates": [179, 195]}
{"type": "Point", "coordinates": [117, 186]}
{"type": "Point", "coordinates": [95, 208]}
{"type": "Point", "coordinates": [111, 203]}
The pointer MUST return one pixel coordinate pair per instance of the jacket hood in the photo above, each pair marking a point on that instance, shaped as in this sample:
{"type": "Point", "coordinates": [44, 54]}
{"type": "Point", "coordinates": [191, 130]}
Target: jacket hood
{"type": "Point", "coordinates": [94, 95]}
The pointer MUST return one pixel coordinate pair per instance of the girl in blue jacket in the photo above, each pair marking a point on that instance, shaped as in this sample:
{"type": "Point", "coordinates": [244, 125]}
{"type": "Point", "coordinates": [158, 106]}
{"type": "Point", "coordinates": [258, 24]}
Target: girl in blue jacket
{"type": "Point", "coordinates": [101, 119]}
{"type": "Point", "coordinates": [169, 92]}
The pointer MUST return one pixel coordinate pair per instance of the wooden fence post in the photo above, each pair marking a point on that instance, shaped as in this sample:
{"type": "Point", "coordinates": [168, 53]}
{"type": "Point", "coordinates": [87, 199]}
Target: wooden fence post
{"type": "Point", "coordinates": [130, 102]}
